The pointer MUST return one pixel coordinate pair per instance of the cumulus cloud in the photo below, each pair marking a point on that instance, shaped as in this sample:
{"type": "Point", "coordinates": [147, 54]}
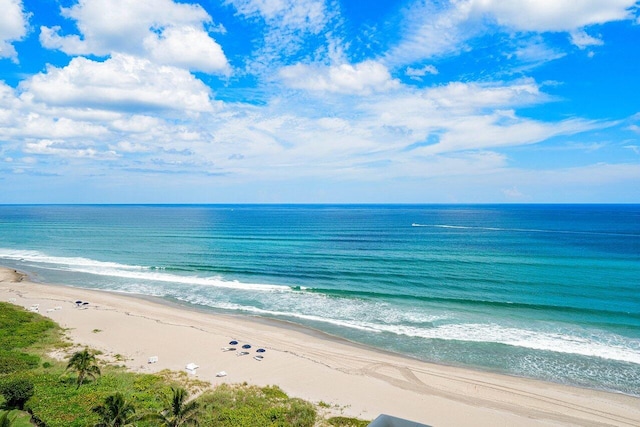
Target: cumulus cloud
{"type": "Point", "coordinates": [169, 33]}
{"type": "Point", "coordinates": [204, 54]}
{"type": "Point", "coordinates": [13, 27]}
{"type": "Point", "coordinates": [64, 149]}
{"type": "Point", "coordinates": [123, 82]}
{"type": "Point", "coordinates": [362, 78]}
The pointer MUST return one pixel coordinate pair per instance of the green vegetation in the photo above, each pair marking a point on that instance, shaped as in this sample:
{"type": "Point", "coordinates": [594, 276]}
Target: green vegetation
{"type": "Point", "coordinates": [115, 412]}
{"type": "Point", "coordinates": [16, 392]}
{"type": "Point", "coordinates": [347, 422]}
{"type": "Point", "coordinates": [181, 412]}
{"type": "Point", "coordinates": [84, 363]}
{"type": "Point", "coordinates": [53, 397]}
{"type": "Point", "coordinates": [242, 405]}
{"type": "Point", "coordinates": [14, 418]}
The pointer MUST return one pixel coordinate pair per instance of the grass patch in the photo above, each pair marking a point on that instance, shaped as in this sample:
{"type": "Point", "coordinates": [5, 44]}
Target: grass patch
{"type": "Point", "coordinates": [347, 422]}
{"type": "Point", "coordinates": [58, 402]}
{"type": "Point", "coordinates": [19, 418]}
{"type": "Point", "coordinates": [251, 406]}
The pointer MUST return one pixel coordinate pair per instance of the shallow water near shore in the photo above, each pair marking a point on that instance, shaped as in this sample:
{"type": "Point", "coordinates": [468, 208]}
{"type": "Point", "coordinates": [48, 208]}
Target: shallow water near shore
{"type": "Point", "coordinates": [541, 291]}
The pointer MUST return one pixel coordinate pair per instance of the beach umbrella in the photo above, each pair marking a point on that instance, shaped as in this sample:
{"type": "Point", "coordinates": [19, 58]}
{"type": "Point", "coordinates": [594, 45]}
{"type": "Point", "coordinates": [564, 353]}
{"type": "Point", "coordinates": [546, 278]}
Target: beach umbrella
{"type": "Point", "coordinates": [246, 346]}
{"type": "Point", "coordinates": [78, 302]}
{"type": "Point", "coordinates": [233, 342]}
{"type": "Point", "coordinates": [260, 350]}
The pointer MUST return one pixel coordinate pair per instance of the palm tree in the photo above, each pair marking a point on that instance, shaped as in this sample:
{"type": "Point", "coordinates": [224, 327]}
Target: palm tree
{"type": "Point", "coordinates": [181, 412]}
{"type": "Point", "coordinates": [115, 412]}
{"type": "Point", "coordinates": [85, 364]}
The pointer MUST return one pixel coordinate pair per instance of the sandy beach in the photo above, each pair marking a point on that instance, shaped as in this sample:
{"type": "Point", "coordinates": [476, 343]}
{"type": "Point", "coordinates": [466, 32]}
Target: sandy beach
{"type": "Point", "coordinates": [355, 380]}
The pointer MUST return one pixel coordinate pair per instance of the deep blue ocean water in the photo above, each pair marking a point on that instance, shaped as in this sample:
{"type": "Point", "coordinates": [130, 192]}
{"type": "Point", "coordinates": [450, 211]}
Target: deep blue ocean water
{"type": "Point", "coordinates": [542, 291]}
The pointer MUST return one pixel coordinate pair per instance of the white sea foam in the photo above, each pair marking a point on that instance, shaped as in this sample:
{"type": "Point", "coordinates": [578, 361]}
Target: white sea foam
{"type": "Point", "coordinates": [603, 345]}
{"type": "Point", "coordinates": [111, 269]}
{"type": "Point", "coordinates": [70, 262]}
{"type": "Point", "coordinates": [597, 344]}
{"type": "Point", "coordinates": [522, 230]}
{"type": "Point", "coordinates": [345, 313]}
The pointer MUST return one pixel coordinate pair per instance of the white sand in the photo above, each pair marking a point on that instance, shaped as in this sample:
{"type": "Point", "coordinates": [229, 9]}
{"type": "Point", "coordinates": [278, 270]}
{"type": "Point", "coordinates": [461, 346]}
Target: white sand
{"type": "Point", "coordinates": [359, 381]}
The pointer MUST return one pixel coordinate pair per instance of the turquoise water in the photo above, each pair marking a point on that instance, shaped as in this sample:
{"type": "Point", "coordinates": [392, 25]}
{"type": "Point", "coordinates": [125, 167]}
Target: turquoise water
{"type": "Point", "coordinates": [541, 291]}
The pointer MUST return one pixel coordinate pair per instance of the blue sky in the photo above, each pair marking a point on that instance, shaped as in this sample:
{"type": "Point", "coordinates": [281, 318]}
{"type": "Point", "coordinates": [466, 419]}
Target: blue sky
{"type": "Point", "coordinates": [319, 101]}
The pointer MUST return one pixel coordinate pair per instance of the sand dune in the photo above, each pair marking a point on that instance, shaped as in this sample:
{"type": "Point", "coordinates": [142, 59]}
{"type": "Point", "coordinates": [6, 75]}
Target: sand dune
{"type": "Point", "coordinates": [356, 380]}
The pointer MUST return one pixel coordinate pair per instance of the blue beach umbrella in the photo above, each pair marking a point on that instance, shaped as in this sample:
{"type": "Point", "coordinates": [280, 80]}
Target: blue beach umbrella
{"type": "Point", "coordinates": [246, 346]}
{"type": "Point", "coordinates": [260, 350]}
{"type": "Point", "coordinates": [233, 342]}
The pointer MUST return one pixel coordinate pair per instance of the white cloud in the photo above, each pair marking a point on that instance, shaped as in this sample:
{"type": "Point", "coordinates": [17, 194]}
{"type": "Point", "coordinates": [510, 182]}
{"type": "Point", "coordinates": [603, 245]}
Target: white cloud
{"type": "Point", "coordinates": [634, 148]}
{"type": "Point", "coordinates": [512, 193]}
{"type": "Point", "coordinates": [135, 124]}
{"type": "Point", "coordinates": [534, 51]}
{"type": "Point", "coordinates": [64, 149]}
{"type": "Point", "coordinates": [501, 129]}
{"type": "Point", "coordinates": [122, 82]}
{"type": "Point", "coordinates": [203, 54]}
{"type": "Point", "coordinates": [418, 73]}
{"type": "Point", "coordinates": [434, 29]}
{"type": "Point", "coordinates": [553, 15]}
{"type": "Point", "coordinates": [472, 96]}
{"type": "Point", "coordinates": [293, 29]}
{"type": "Point", "coordinates": [130, 147]}
{"type": "Point", "coordinates": [430, 107]}
{"type": "Point", "coordinates": [306, 15]}
{"type": "Point", "coordinates": [581, 39]}
{"type": "Point", "coordinates": [168, 32]}
{"type": "Point", "coordinates": [44, 126]}
{"type": "Point", "coordinates": [362, 78]}
{"type": "Point", "coordinates": [13, 27]}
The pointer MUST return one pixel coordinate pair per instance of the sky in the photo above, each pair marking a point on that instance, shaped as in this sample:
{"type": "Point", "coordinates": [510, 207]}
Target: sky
{"type": "Point", "coordinates": [320, 101]}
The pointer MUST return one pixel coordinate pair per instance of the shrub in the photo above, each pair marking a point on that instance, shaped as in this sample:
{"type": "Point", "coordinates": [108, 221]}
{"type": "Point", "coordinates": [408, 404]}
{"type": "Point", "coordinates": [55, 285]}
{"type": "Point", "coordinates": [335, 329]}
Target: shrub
{"type": "Point", "coordinates": [13, 361]}
{"type": "Point", "coordinates": [249, 406]}
{"type": "Point", "coordinates": [16, 392]}
{"type": "Point", "coordinates": [347, 422]}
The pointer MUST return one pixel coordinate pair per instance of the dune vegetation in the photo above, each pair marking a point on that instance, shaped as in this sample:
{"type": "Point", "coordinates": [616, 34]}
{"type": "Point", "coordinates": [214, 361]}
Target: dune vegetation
{"type": "Point", "coordinates": [82, 390]}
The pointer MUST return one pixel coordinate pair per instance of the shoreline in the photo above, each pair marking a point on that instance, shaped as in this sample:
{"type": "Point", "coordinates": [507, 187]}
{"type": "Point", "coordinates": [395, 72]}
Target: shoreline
{"type": "Point", "coordinates": [356, 380]}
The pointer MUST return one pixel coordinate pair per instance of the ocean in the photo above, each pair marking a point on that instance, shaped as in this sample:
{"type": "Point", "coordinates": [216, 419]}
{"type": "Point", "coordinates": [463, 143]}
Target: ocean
{"type": "Point", "coordinates": [550, 292]}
